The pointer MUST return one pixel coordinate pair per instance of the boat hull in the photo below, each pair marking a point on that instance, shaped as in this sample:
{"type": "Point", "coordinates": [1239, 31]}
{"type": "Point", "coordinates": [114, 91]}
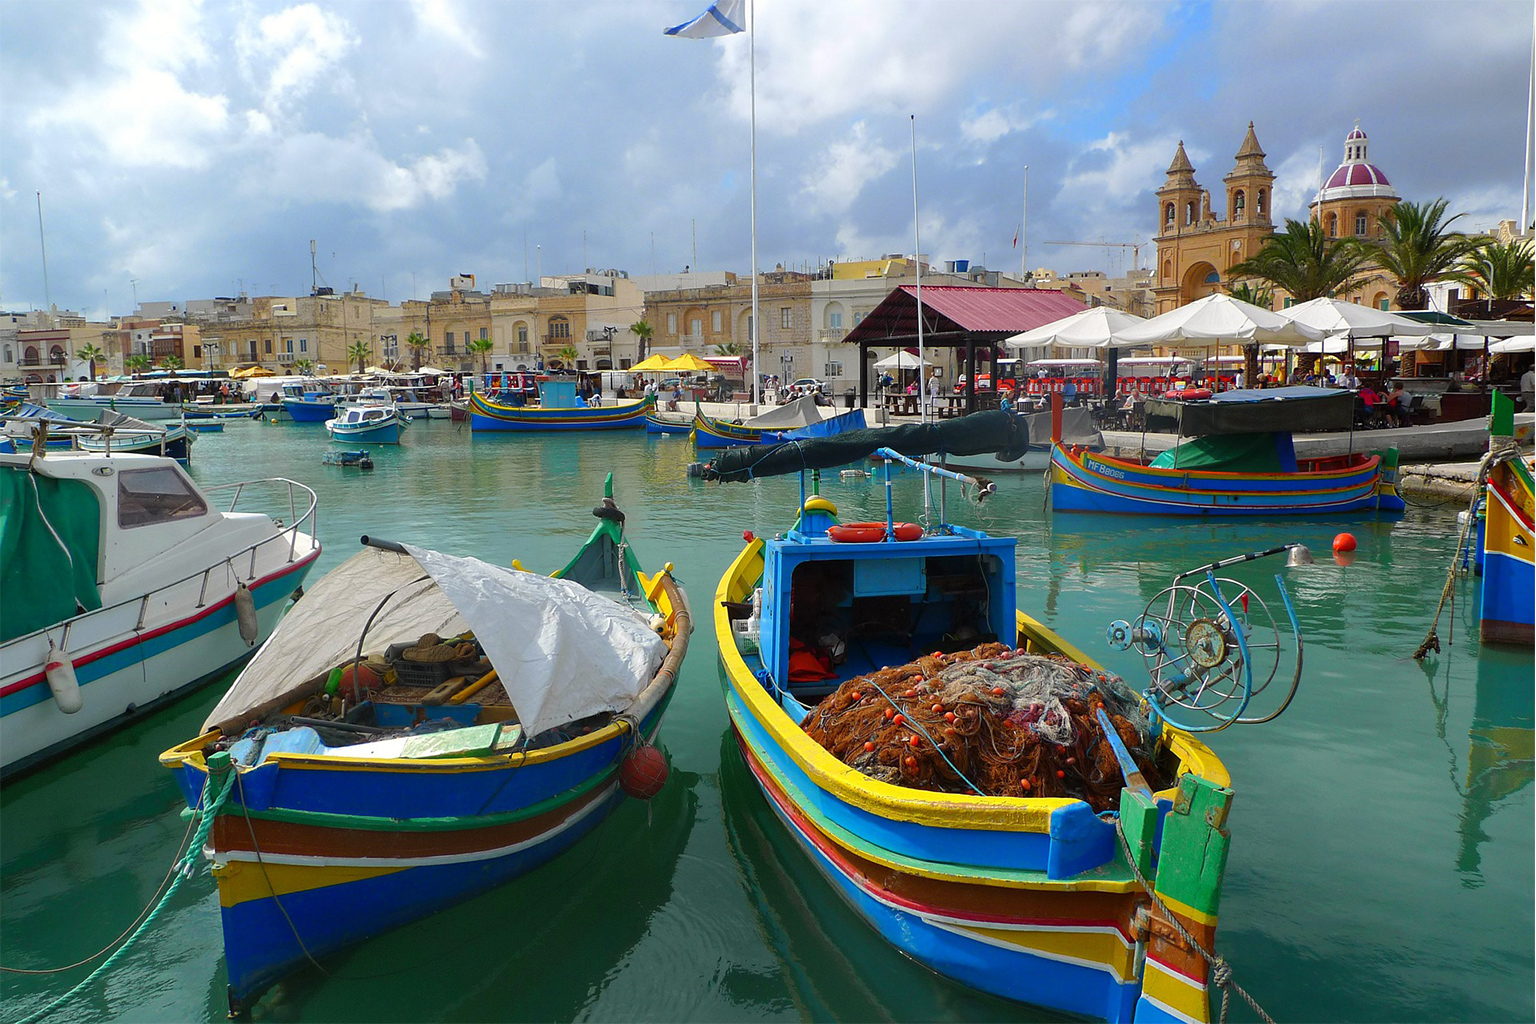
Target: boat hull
{"type": "Point", "coordinates": [302, 410]}
{"type": "Point", "coordinates": [1509, 576]}
{"type": "Point", "coordinates": [125, 668]}
{"type": "Point", "coordinates": [485, 415]}
{"type": "Point", "coordinates": [711, 433]}
{"type": "Point", "coordinates": [151, 409]}
{"type": "Point", "coordinates": [654, 424]}
{"type": "Point", "coordinates": [1083, 481]}
{"type": "Point", "coordinates": [1029, 899]}
{"type": "Point", "coordinates": [177, 443]}
{"type": "Point", "coordinates": [386, 432]}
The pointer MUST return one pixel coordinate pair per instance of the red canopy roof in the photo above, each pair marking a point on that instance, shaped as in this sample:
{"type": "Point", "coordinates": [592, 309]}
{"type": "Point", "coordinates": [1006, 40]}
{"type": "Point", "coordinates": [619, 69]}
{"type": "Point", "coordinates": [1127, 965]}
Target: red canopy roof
{"type": "Point", "coordinates": [954, 315]}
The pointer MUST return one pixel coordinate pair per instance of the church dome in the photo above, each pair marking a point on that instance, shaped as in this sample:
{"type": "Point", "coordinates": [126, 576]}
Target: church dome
{"type": "Point", "coordinates": [1356, 177]}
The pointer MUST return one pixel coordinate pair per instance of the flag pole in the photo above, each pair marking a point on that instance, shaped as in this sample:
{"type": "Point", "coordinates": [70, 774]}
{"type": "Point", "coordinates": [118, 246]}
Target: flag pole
{"type": "Point", "coordinates": [757, 329]}
{"type": "Point", "coordinates": [917, 262]}
{"type": "Point", "coordinates": [1024, 232]}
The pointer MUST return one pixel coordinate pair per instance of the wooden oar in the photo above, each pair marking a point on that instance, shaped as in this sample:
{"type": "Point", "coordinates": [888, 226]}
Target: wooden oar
{"type": "Point", "coordinates": [473, 688]}
{"type": "Point", "coordinates": [1134, 780]}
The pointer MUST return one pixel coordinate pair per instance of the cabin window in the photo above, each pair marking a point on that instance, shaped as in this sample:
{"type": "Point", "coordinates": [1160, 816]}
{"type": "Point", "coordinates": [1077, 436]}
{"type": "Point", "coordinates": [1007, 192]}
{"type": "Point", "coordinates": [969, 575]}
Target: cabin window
{"type": "Point", "coordinates": [146, 497]}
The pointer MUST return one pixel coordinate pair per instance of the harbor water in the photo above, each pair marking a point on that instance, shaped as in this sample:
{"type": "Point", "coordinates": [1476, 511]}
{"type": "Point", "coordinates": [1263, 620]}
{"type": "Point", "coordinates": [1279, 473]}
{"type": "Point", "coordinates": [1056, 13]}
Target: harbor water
{"type": "Point", "coordinates": [1381, 861]}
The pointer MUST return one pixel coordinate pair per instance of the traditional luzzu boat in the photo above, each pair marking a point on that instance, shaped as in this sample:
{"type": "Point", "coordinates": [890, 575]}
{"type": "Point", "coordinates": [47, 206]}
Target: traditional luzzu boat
{"type": "Point", "coordinates": [771, 427]}
{"type": "Point", "coordinates": [558, 409]}
{"type": "Point", "coordinates": [660, 423]}
{"type": "Point", "coordinates": [1241, 461]}
{"type": "Point", "coordinates": [119, 433]}
{"type": "Point", "coordinates": [138, 588]}
{"type": "Point", "coordinates": [1506, 546]}
{"type": "Point", "coordinates": [426, 727]}
{"type": "Point", "coordinates": [1066, 889]}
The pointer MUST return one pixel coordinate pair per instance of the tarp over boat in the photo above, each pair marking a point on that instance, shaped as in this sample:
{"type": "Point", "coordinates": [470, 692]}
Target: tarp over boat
{"type": "Point", "coordinates": [977, 434]}
{"type": "Point", "coordinates": [801, 412]}
{"type": "Point", "coordinates": [561, 652]}
{"type": "Point", "coordinates": [1254, 411]}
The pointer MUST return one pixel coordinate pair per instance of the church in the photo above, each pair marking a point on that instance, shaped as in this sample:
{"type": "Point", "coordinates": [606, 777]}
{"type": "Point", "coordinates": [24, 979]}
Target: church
{"type": "Point", "coordinates": [1196, 249]}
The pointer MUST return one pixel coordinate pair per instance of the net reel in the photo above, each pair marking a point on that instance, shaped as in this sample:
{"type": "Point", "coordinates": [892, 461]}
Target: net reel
{"type": "Point", "coordinates": [1211, 645]}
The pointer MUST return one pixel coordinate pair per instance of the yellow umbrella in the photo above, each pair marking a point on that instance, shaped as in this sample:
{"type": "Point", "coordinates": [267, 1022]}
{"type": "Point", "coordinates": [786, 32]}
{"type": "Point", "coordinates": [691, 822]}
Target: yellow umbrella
{"type": "Point", "coordinates": [251, 371]}
{"type": "Point", "coordinates": [689, 363]}
{"type": "Point", "coordinates": [651, 364]}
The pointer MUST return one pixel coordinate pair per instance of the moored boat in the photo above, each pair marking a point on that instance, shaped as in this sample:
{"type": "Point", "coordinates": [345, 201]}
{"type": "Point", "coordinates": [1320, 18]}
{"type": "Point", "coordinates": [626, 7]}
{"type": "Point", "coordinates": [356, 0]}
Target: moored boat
{"type": "Point", "coordinates": [661, 423]}
{"type": "Point", "coordinates": [139, 588]}
{"type": "Point", "coordinates": [1241, 461]}
{"type": "Point", "coordinates": [558, 409]}
{"type": "Point", "coordinates": [429, 727]}
{"type": "Point", "coordinates": [1507, 541]}
{"type": "Point", "coordinates": [372, 419]}
{"type": "Point", "coordinates": [119, 433]}
{"type": "Point", "coordinates": [1068, 891]}
{"type": "Point", "coordinates": [307, 404]}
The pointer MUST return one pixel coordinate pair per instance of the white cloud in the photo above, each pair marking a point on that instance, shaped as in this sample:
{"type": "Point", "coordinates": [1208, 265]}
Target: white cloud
{"type": "Point", "coordinates": [1115, 170]}
{"type": "Point", "coordinates": [295, 49]}
{"type": "Point", "coordinates": [318, 168]}
{"type": "Point", "coordinates": [848, 166]}
{"type": "Point", "coordinates": [997, 122]}
{"type": "Point", "coordinates": [443, 18]}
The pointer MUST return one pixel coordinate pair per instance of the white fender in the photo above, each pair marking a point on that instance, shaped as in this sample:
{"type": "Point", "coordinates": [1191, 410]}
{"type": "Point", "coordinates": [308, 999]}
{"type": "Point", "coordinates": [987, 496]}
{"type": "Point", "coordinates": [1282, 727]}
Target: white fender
{"type": "Point", "coordinates": [245, 614]}
{"type": "Point", "coordinates": [61, 680]}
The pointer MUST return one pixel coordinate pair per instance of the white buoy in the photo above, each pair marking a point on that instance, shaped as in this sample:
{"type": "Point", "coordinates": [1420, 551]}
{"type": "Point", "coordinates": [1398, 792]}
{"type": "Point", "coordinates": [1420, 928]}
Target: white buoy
{"type": "Point", "coordinates": [245, 614]}
{"type": "Point", "coordinates": [61, 680]}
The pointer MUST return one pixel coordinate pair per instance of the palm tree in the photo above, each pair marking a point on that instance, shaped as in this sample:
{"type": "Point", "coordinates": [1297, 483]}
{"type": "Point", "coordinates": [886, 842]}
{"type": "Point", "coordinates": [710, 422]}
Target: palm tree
{"type": "Point", "coordinates": [1500, 270]}
{"type": "Point", "coordinates": [136, 364]}
{"type": "Point", "coordinates": [360, 350]}
{"type": "Point", "coordinates": [642, 330]}
{"type": "Point", "coordinates": [90, 353]}
{"type": "Point", "coordinates": [1418, 248]}
{"type": "Point", "coordinates": [171, 362]}
{"type": "Point", "coordinates": [416, 343]}
{"type": "Point", "coordinates": [1305, 262]}
{"type": "Point", "coordinates": [304, 366]}
{"type": "Point", "coordinates": [480, 345]}
{"type": "Point", "coordinates": [728, 348]}
{"type": "Point", "coordinates": [567, 356]}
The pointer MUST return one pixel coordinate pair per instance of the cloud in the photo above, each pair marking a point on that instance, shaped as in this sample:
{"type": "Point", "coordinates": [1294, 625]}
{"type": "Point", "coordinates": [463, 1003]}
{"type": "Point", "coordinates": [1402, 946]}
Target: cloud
{"type": "Point", "coordinates": [849, 165]}
{"type": "Point", "coordinates": [996, 122]}
{"type": "Point", "coordinates": [442, 18]}
{"type": "Point", "coordinates": [295, 48]}
{"type": "Point", "coordinates": [312, 167]}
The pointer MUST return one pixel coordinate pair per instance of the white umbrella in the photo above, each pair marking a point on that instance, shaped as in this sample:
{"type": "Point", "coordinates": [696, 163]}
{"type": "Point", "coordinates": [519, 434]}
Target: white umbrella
{"type": "Point", "coordinates": [1350, 320]}
{"type": "Point", "coordinates": [1090, 328]}
{"type": "Point", "coordinates": [1216, 319]}
{"type": "Point", "coordinates": [902, 360]}
{"type": "Point", "coordinates": [1526, 344]}
{"type": "Point", "coordinates": [432, 371]}
{"type": "Point", "coordinates": [1442, 342]}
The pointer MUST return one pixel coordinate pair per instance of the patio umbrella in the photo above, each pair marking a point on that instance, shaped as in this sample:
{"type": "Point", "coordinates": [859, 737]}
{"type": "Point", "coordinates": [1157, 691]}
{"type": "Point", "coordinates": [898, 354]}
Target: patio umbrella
{"type": "Point", "coordinates": [1350, 320]}
{"type": "Point", "coordinates": [688, 363]}
{"type": "Point", "coordinates": [1509, 345]}
{"type": "Point", "coordinates": [902, 360]}
{"type": "Point", "coordinates": [1216, 319]}
{"type": "Point", "coordinates": [1092, 328]}
{"type": "Point", "coordinates": [654, 363]}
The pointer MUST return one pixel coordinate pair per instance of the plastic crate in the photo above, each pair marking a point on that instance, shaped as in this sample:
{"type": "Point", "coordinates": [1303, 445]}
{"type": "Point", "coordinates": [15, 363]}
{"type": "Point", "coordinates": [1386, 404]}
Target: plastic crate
{"type": "Point", "coordinates": [427, 673]}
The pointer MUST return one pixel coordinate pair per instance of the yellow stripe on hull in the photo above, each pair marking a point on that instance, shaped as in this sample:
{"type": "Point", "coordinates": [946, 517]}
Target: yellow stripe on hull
{"type": "Point", "coordinates": [1177, 995]}
{"type": "Point", "coordinates": [1103, 950]}
{"type": "Point", "coordinates": [242, 881]}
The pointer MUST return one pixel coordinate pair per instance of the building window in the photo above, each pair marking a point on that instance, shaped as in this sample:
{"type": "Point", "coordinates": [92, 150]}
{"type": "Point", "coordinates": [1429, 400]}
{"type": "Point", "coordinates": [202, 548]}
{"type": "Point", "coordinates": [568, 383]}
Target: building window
{"type": "Point", "coordinates": [267, 346]}
{"type": "Point", "coordinates": [522, 337]}
{"type": "Point", "coordinates": [1384, 304]}
{"type": "Point", "coordinates": [834, 368]}
{"type": "Point", "coordinates": [7, 353]}
{"type": "Point", "coordinates": [1213, 278]}
{"type": "Point", "coordinates": [714, 321]}
{"type": "Point", "coordinates": [1258, 203]}
{"type": "Point", "coordinates": [448, 340]}
{"type": "Point", "coordinates": [559, 327]}
{"type": "Point", "coordinates": [671, 323]}
{"type": "Point", "coordinates": [288, 346]}
{"type": "Point", "coordinates": [197, 351]}
{"type": "Point", "coordinates": [303, 344]}
{"type": "Point", "coordinates": [1333, 225]}
{"type": "Point", "coordinates": [696, 328]}
{"type": "Point", "coordinates": [1289, 302]}
{"type": "Point", "coordinates": [1168, 217]}
{"type": "Point", "coordinates": [1360, 223]}
{"type": "Point", "coordinates": [1191, 213]}
{"type": "Point", "coordinates": [485, 333]}
{"type": "Point", "coordinates": [625, 364]}
{"type": "Point", "coordinates": [784, 318]}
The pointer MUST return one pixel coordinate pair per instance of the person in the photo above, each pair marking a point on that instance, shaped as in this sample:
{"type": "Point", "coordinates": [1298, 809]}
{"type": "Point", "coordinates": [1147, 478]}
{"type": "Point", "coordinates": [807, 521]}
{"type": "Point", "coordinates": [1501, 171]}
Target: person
{"type": "Point", "coordinates": [677, 396]}
{"type": "Point", "coordinates": [622, 393]}
{"type": "Point", "coordinates": [1528, 387]}
{"type": "Point", "coordinates": [1368, 401]}
{"type": "Point", "coordinates": [1397, 405]}
{"type": "Point", "coordinates": [1069, 392]}
{"type": "Point", "coordinates": [932, 396]}
{"type": "Point", "coordinates": [595, 400]}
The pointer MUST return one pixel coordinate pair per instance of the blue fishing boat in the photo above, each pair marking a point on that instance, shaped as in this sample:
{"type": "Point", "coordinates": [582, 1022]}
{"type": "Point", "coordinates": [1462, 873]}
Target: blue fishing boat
{"type": "Point", "coordinates": [657, 423]}
{"type": "Point", "coordinates": [559, 408]}
{"type": "Point", "coordinates": [709, 432]}
{"type": "Point", "coordinates": [429, 727]}
{"type": "Point", "coordinates": [900, 717]}
{"type": "Point", "coordinates": [1506, 544]}
{"type": "Point", "coordinates": [1241, 461]}
{"type": "Point", "coordinates": [306, 405]}
{"type": "Point", "coordinates": [373, 419]}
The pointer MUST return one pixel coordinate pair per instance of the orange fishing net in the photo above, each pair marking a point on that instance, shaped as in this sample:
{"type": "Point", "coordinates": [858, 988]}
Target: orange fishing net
{"type": "Point", "coordinates": [989, 719]}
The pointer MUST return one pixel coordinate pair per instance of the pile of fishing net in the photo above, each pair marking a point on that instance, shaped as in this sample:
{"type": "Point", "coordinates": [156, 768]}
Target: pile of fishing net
{"type": "Point", "coordinates": [992, 720]}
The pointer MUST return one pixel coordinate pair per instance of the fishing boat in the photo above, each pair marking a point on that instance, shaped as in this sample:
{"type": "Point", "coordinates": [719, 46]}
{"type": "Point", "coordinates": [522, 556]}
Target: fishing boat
{"type": "Point", "coordinates": [306, 404]}
{"type": "Point", "coordinates": [661, 423]}
{"type": "Point", "coordinates": [1241, 460]}
{"type": "Point", "coordinates": [1107, 910]}
{"type": "Point", "coordinates": [141, 400]}
{"type": "Point", "coordinates": [559, 408]}
{"type": "Point", "coordinates": [359, 459]}
{"type": "Point", "coordinates": [424, 727]}
{"type": "Point", "coordinates": [371, 419]}
{"type": "Point", "coordinates": [140, 586]}
{"type": "Point", "coordinates": [769, 428]}
{"type": "Point", "coordinates": [117, 432]}
{"type": "Point", "coordinates": [1507, 544]}
{"type": "Point", "coordinates": [204, 426]}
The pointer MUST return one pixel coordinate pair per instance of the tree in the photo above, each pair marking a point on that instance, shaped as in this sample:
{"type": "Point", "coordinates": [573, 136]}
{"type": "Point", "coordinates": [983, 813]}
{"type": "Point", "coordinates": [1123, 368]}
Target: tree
{"type": "Point", "coordinates": [360, 350]}
{"type": "Point", "coordinates": [728, 348]}
{"type": "Point", "coordinates": [304, 366]}
{"type": "Point", "coordinates": [136, 364]}
{"type": "Point", "coordinates": [1305, 262]}
{"type": "Point", "coordinates": [417, 345]}
{"type": "Point", "coordinates": [90, 353]}
{"type": "Point", "coordinates": [480, 345]}
{"type": "Point", "coordinates": [642, 330]}
{"type": "Point", "coordinates": [1418, 249]}
{"type": "Point", "coordinates": [171, 362]}
{"type": "Point", "coordinates": [1264, 297]}
{"type": "Point", "coordinates": [1500, 270]}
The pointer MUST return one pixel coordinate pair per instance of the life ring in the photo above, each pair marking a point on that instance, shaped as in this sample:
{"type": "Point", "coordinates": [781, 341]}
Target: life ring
{"type": "Point", "coordinates": [870, 533]}
{"type": "Point", "coordinates": [1192, 394]}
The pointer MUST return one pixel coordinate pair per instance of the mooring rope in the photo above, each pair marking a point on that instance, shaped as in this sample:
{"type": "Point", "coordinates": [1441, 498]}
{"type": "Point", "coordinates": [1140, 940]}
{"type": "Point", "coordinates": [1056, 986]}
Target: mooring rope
{"type": "Point", "coordinates": [1431, 640]}
{"type": "Point", "coordinates": [1221, 971]}
{"type": "Point", "coordinates": [218, 778]}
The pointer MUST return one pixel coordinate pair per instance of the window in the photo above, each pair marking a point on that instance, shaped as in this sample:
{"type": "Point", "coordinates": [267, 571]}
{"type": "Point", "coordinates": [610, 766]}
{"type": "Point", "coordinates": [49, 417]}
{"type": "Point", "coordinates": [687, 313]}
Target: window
{"type": "Point", "coordinates": [448, 340]}
{"type": "Point", "coordinates": [1333, 225]}
{"type": "Point", "coordinates": [7, 353]}
{"type": "Point", "coordinates": [1168, 215]}
{"type": "Point", "coordinates": [784, 317]}
{"type": "Point", "coordinates": [858, 318]}
{"type": "Point", "coordinates": [303, 344]}
{"type": "Point", "coordinates": [1238, 202]}
{"type": "Point", "coordinates": [625, 364]}
{"type": "Point", "coordinates": [1384, 304]}
{"type": "Point", "coordinates": [1258, 203]}
{"type": "Point", "coordinates": [835, 320]}
{"type": "Point", "coordinates": [146, 497]}
{"type": "Point", "coordinates": [197, 351]}
{"type": "Point", "coordinates": [834, 368]}
{"type": "Point", "coordinates": [1360, 223]}
{"type": "Point", "coordinates": [715, 322]}
{"type": "Point", "coordinates": [522, 337]}
{"type": "Point", "coordinates": [267, 346]}
{"type": "Point", "coordinates": [253, 348]}
{"type": "Point", "coordinates": [485, 333]}
{"type": "Point", "coordinates": [671, 323]}
{"type": "Point", "coordinates": [1289, 302]}
{"type": "Point", "coordinates": [559, 327]}
{"type": "Point", "coordinates": [1213, 278]}
{"type": "Point", "coordinates": [696, 327]}
{"type": "Point", "coordinates": [288, 346]}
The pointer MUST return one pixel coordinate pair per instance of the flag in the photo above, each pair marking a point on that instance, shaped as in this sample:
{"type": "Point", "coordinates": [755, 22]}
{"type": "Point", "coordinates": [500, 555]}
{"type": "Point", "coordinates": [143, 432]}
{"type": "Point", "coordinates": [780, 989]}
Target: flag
{"type": "Point", "coordinates": [722, 18]}
{"type": "Point", "coordinates": [1015, 238]}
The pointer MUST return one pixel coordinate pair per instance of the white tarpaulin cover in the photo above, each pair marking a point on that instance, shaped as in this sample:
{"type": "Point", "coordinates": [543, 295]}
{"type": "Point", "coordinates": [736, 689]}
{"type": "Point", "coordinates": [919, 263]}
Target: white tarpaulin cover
{"type": "Point", "coordinates": [560, 651]}
{"type": "Point", "coordinates": [802, 412]}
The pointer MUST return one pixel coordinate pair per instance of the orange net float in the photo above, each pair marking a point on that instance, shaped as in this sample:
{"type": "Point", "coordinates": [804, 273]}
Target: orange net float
{"type": "Point", "coordinates": [870, 533]}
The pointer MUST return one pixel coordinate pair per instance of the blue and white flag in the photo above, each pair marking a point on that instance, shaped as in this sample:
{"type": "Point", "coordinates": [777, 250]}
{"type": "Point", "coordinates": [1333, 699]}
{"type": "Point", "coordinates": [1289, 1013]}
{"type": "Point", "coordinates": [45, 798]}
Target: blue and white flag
{"type": "Point", "coordinates": [723, 18]}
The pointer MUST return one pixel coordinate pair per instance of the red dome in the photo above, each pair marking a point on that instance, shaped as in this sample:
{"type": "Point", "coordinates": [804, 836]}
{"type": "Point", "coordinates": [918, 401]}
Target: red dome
{"type": "Point", "coordinates": [1356, 174]}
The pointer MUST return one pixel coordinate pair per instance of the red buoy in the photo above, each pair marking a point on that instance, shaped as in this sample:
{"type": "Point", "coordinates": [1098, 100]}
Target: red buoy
{"type": "Point", "coordinates": [1344, 542]}
{"type": "Point", "coordinates": [643, 772]}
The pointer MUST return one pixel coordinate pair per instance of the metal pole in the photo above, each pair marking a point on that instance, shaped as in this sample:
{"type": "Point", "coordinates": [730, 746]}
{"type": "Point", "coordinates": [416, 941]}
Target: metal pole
{"type": "Point", "coordinates": [752, 88]}
{"type": "Point", "coordinates": [43, 241]}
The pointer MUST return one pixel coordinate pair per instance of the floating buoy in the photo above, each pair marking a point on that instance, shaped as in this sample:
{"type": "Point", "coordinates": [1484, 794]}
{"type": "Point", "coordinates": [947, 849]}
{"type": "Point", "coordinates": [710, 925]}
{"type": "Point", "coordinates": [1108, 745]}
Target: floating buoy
{"type": "Point", "coordinates": [61, 680]}
{"type": "Point", "coordinates": [245, 614]}
{"type": "Point", "coordinates": [643, 772]}
{"type": "Point", "coordinates": [1344, 542]}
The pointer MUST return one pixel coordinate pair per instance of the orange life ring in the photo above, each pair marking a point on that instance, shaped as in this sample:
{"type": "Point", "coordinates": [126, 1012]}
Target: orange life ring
{"type": "Point", "coordinates": [869, 533]}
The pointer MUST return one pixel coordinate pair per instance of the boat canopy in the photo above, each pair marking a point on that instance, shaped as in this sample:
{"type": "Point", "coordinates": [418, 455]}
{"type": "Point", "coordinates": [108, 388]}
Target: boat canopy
{"type": "Point", "coordinates": [561, 652]}
{"type": "Point", "coordinates": [1255, 411]}
{"type": "Point", "coordinates": [49, 547]}
{"type": "Point", "coordinates": [802, 412]}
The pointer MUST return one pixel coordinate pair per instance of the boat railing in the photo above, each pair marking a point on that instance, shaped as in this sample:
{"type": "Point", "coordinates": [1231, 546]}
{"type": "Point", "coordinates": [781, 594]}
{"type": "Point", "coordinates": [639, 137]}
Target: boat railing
{"type": "Point", "coordinates": [288, 533]}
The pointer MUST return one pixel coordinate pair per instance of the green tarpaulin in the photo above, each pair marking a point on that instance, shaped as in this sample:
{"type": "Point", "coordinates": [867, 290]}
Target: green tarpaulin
{"type": "Point", "coordinates": [1232, 453]}
{"type": "Point", "coordinates": [50, 534]}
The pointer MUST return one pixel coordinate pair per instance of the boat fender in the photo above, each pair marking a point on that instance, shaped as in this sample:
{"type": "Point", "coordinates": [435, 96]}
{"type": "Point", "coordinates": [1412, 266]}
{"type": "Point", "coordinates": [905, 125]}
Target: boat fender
{"type": "Point", "coordinates": [245, 614]}
{"type": "Point", "coordinates": [643, 772]}
{"type": "Point", "coordinates": [608, 510]}
{"type": "Point", "coordinates": [658, 624]}
{"type": "Point", "coordinates": [869, 533]}
{"type": "Point", "coordinates": [60, 672]}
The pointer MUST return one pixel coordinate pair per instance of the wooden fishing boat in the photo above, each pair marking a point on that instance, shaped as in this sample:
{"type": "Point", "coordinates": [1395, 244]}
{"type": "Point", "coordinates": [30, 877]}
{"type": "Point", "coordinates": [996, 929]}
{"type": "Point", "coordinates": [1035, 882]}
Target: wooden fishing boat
{"type": "Point", "coordinates": [1031, 897]}
{"type": "Point", "coordinates": [119, 433]}
{"type": "Point", "coordinates": [660, 423]}
{"type": "Point", "coordinates": [1507, 543]}
{"type": "Point", "coordinates": [427, 727]}
{"type": "Point", "coordinates": [139, 587]}
{"type": "Point", "coordinates": [558, 409]}
{"type": "Point", "coordinates": [709, 432]}
{"type": "Point", "coordinates": [1242, 461]}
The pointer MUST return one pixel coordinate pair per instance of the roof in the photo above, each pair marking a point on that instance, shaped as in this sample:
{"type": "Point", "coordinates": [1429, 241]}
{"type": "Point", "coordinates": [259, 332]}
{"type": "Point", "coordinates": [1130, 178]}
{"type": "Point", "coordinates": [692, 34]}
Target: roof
{"type": "Point", "coordinates": [954, 315]}
{"type": "Point", "coordinates": [1356, 174]}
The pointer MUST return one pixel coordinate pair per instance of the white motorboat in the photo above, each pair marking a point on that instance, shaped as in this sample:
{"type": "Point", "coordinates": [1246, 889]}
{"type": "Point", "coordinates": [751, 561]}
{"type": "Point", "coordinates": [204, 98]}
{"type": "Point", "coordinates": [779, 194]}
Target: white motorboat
{"type": "Point", "coordinates": [126, 585]}
{"type": "Point", "coordinates": [372, 418]}
{"type": "Point", "coordinates": [140, 400]}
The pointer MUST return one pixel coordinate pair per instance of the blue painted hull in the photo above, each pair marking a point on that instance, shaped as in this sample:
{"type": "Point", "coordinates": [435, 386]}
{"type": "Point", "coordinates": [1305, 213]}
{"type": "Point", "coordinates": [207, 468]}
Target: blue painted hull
{"type": "Point", "coordinates": [486, 415]}
{"type": "Point", "coordinates": [385, 433]}
{"type": "Point", "coordinates": [304, 411]}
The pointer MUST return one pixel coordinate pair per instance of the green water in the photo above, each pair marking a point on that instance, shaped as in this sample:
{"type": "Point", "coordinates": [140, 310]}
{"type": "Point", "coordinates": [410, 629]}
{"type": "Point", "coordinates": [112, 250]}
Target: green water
{"type": "Point", "coordinates": [1381, 862]}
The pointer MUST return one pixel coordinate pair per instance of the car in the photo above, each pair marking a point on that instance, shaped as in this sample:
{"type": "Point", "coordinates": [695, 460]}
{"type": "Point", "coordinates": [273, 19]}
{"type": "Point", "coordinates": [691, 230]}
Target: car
{"type": "Point", "coordinates": [807, 386]}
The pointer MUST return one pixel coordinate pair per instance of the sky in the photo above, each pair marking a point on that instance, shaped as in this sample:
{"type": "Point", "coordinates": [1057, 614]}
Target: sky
{"type": "Point", "coordinates": [187, 150]}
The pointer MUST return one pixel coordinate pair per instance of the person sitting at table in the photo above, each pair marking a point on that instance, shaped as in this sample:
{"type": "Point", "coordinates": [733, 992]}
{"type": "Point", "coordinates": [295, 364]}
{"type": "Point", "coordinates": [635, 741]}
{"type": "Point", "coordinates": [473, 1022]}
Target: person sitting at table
{"type": "Point", "coordinates": [1397, 405]}
{"type": "Point", "coordinates": [1069, 392]}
